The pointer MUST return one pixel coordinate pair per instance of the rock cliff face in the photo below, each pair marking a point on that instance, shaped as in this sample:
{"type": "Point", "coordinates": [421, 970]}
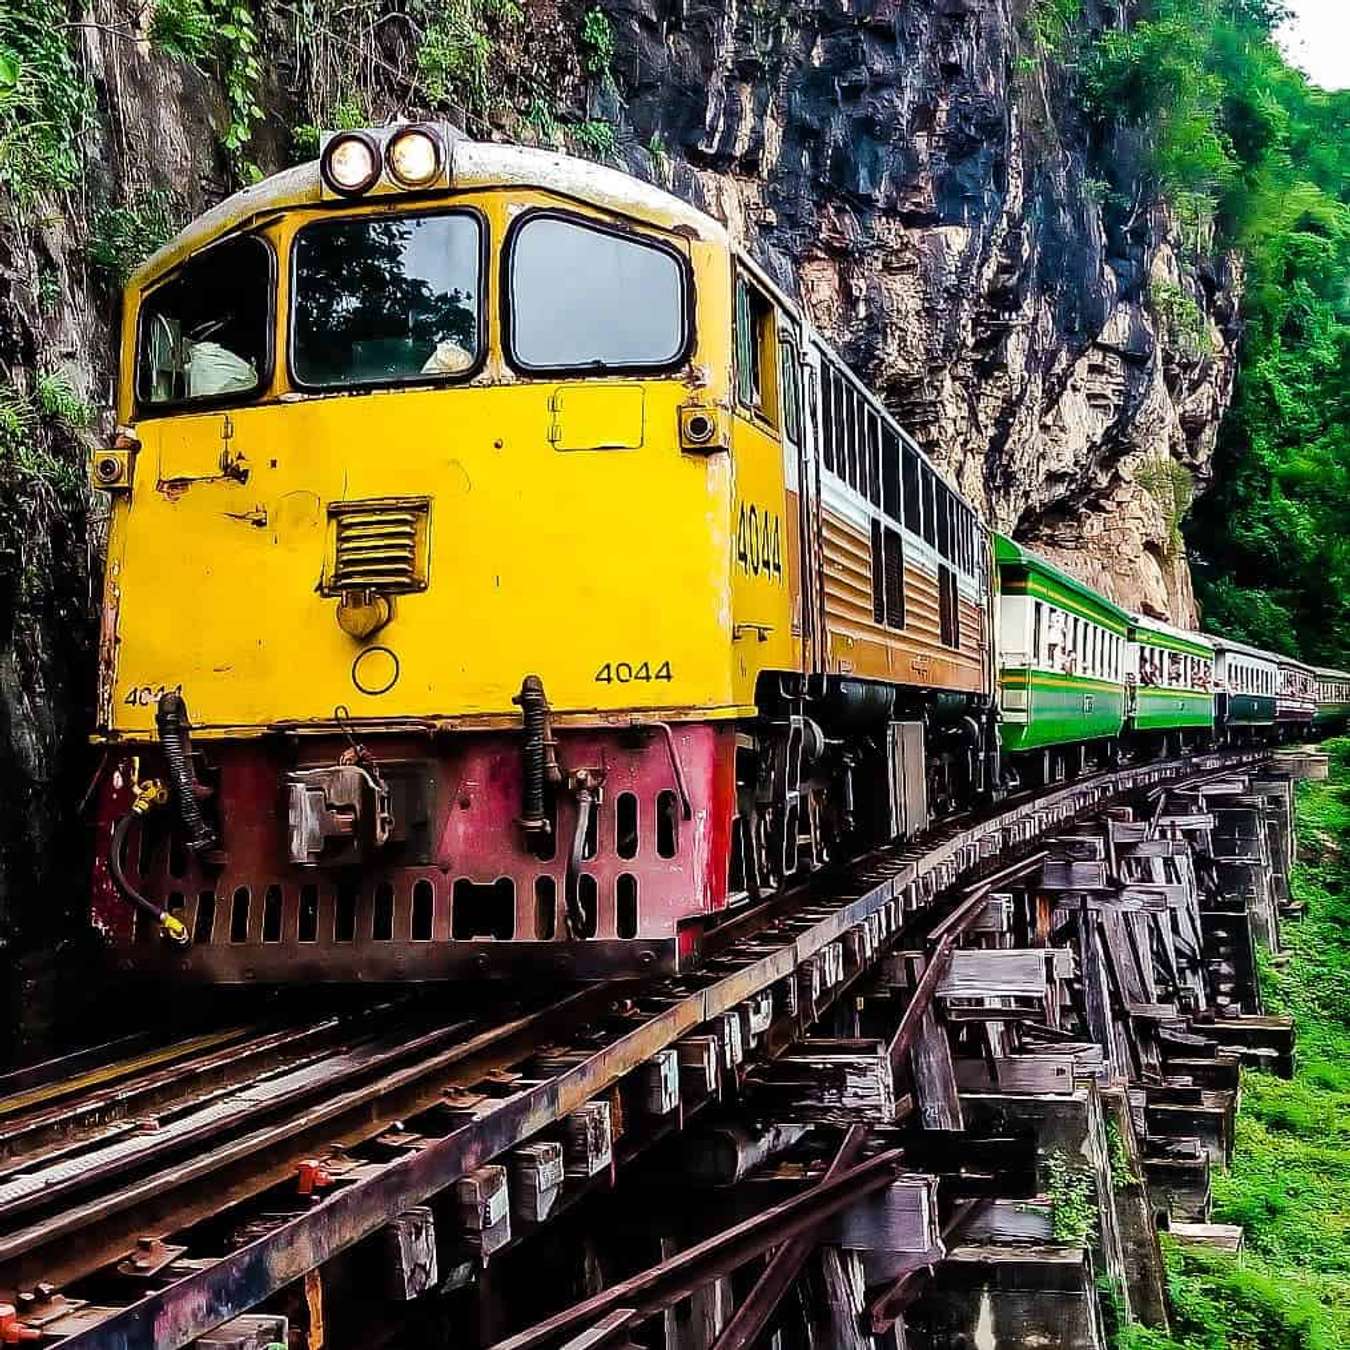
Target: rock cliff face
{"type": "Point", "coordinates": [916, 170]}
{"type": "Point", "coordinates": [926, 181]}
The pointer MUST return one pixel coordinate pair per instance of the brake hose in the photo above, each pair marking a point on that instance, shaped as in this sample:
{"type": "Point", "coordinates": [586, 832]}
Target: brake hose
{"type": "Point", "coordinates": [148, 796]}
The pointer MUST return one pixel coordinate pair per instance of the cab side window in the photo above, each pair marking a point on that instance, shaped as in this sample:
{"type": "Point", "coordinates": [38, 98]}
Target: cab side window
{"type": "Point", "coordinates": [205, 333]}
{"type": "Point", "coordinates": [756, 352]}
{"type": "Point", "coordinates": [790, 389]}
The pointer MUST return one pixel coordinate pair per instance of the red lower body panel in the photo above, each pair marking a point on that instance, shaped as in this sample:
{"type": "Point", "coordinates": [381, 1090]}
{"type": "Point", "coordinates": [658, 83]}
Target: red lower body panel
{"type": "Point", "coordinates": [458, 889]}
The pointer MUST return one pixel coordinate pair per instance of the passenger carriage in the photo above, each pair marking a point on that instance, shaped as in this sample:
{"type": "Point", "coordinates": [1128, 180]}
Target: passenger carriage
{"type": "Point", "coordinates": [1333, 697]}
{"type": "Point", "coordinates": [1170, 681]}
{"type": "Point", "coordinates": [1246, 684]}
{"type": "Point", "coordinates": [1062, 663]}
{"type": "Point", "coordinates": [1296, 702]}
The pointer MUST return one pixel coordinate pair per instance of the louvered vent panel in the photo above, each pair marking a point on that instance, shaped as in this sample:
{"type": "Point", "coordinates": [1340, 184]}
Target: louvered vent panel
{"type": "Point", "coordinates": [378, 546]}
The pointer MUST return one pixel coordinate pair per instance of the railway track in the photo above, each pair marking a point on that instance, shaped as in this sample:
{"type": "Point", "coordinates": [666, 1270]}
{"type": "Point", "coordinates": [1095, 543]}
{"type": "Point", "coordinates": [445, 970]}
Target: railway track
{"type": "Point", "coordinates": [146, 1198]}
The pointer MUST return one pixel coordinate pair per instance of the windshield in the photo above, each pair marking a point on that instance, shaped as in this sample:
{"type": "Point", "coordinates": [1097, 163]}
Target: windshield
{"type": "Point", "coordinates": [588, 298]}
{"type": "Point", "coordinates": [204, 334]}
{"type": "Point", "coordinates": [378, 300]}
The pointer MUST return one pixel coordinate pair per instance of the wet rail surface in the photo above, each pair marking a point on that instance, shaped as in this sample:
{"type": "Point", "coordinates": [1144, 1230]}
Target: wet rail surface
{"type": "Point", "coordinates": [147, 1198]}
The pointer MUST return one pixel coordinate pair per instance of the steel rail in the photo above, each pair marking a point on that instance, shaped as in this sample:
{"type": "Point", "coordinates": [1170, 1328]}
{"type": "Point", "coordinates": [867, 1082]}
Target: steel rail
{"type": "Point", "coordinates": [667, 1011]}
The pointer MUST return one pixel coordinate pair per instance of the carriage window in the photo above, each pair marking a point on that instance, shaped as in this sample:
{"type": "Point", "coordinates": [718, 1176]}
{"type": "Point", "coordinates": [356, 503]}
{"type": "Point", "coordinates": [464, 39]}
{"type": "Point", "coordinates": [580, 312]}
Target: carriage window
{"type": "Point", "coordinates": [827, 416]}
{"type": "Point", "coordinates": [840, 424]}
{"type": "Point", "coordinates": [890, 472]}
{"type": "Point", "coordinates": [205, 333]}
{"type": "Point", "coordinates": [929, 515]}
{"type": "Point", "coordinates": [378, 300]}
{"type": "Point", "coordinates": [1038, 634]}
{"type": "Point", "coordinates": [874, 458]}
{"type": "Point", "coordinates": [913, 509]}
{"type": "Point", "coordinates": [583, 298]}
{"type": "Point", "coordinates": [852, 432]}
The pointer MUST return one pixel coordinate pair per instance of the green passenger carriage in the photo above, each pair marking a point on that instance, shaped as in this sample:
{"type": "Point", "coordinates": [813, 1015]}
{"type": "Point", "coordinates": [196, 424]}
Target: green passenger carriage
{"type": "Point", "coordinates": [1062, 656]}
{"type": "Point", "coordinates": [1170, 679]}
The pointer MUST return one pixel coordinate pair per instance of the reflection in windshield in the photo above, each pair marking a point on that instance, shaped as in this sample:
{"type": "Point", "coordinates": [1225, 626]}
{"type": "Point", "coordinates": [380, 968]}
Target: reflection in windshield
{"type": "Point", "coordinates": [389, 299]}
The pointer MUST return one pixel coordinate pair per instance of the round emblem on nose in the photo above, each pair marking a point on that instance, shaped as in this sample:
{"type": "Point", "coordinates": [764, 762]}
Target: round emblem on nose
{"type": "Point", "coordinates": [375, 670]}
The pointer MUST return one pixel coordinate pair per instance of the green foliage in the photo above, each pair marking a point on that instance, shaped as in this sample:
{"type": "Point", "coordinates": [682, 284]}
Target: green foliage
{"type": "Point", "coordinates": [1073, 1201]}
{"type": "Point", "coordinates": [1249, 155]}
{"type": "Point", "coordinates": [57, 399]}
{"type": "Point", "coordinates": [1172, 486]}
{"type": "Point", "coordinates": [237, 55]}
{"type": "Point", "coordinates": [347, 114]}
{"type": "Point", "coordinates": [45, 103]}
{"type": "Point", "coordinates": [456, 51]}
{"type": "Point", "coordinates": [596, 41]}
{"type": "Point", "coordinates": [123, 237]}
{"type": "Point", "coordinates": [1051, 26]}
{"type": "Point", "coordinates": [1182, 317]}
{"type": "Point", "coordinates": [542, 120]}
{"type": "Point", "coordinates": [595, 138]}
{"type": "Point", "coordinates": [1118, 1156]}
{"type": "Point", "coordinates": [183, 29]}
{"type": "Point", "coordinates": [1289, 1186]}
{"type": "Point", "coordinates": [27, 455]}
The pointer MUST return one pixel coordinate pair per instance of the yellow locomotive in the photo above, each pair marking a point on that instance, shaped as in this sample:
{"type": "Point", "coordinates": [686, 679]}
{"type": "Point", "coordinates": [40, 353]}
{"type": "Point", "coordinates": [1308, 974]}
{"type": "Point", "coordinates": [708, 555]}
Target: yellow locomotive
{"type": "Point", "coordinates": [502, 569]}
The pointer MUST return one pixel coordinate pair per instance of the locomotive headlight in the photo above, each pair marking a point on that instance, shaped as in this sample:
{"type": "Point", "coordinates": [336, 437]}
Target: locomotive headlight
{"type": "Point", "coordinates": [351, 163]}
{"type": "Point", "coordinates": [413, 158]}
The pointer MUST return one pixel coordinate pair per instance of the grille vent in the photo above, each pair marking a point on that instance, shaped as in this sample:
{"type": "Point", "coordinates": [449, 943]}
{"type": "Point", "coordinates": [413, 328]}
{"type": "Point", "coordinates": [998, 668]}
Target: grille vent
{"type": "Point", "coordinates": [378, 545]}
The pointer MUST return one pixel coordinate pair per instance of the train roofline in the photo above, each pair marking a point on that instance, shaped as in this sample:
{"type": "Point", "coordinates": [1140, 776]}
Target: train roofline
{"type": "Point", "coordinates": [476, 165]}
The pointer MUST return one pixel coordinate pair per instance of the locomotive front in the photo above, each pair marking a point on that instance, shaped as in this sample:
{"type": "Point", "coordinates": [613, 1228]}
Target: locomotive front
{"type": "Point", "coordinates": [416, 653]}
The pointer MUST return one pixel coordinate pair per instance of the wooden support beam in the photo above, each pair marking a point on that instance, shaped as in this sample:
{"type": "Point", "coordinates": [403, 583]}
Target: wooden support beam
{"type": "Point", "coordinates": [676, 1278]}
{"type": "Point", "coordinates": [830, 1081]}
{"type": "Point", "coordinates": [934, 1074]}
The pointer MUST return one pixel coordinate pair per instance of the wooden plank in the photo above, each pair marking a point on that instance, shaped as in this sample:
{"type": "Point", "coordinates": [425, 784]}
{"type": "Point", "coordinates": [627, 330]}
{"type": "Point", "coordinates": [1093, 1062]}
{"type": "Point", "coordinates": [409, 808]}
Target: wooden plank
{"type": "Point", "coordinates": [1002, 973]}
{"type": "Point", "coordinates": [1223, 1237]}
{"type": "Point", "coordinates": [839, 1081]}
{"type": "Point", "coordinates": [901, 1217]}
{"type": "Point", "coordinates": [1034, 1074]}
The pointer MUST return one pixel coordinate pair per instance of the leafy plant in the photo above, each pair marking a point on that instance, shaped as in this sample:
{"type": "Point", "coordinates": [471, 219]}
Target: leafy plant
{"type": "Point", "coordinates": [347, 114]}
{"type": "Point", "coordinates": [540, 118]}
{"type": "Point", "coordinates": [1183, 319]}
{"type": "Point", "coordinates": [26, 451]}
{"type": "Point", "coordinates": [123, 237]}
{"type": "Point", "coordinates": [453, 57]}
{"type": "Point", "coordinates": [596, 138]}
{"type": "Point", "coordinates": [183, 29]}
{"type": "Point", "coordinates": [596, 41]}
{"type": "Point", "coordinates": [57, 399]}
{"type": "Point", "coordinates": [237, 52]}
{"type": "Point", "coordinates": [1073, 1201]}
{"type": "Point", "coordinates": [1118, 1156]}
{"type": "Point", "coordinates": [46, 105]}
{"type": "Point", "coordinates": [1051, 25]}
{"type": "Point", "coordinates": [1172, 486]}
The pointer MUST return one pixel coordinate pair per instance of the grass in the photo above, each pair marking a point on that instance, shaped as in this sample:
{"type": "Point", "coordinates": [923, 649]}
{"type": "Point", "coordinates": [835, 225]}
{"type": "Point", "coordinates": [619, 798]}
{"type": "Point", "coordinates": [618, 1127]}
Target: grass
{"type": "Point", "coordinates": [1289, 1186]}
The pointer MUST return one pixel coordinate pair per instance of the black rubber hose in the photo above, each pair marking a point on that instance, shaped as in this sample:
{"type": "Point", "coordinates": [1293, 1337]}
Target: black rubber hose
{"type": "Point", "coordinates": [172, 721]}
{"type": "Point", "coordinates": [576, 919]}
{"type": "Point", "coordinates": [534, 714]}
{"type": "Point", "coordinates": [172, 926]}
